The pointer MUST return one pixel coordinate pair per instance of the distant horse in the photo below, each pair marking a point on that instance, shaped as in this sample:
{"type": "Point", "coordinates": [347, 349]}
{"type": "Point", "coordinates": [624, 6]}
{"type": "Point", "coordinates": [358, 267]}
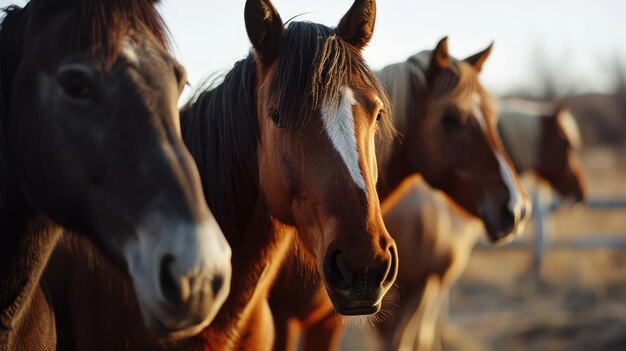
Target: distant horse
{"type": "Point", "coordinates": [435, 237]}
{"type": "Point", "coordinates": [447, 126]}
{"type": "Point", "coordinates": [545, 142]}
{"type": "Point", "coordinates": [89, 141]}
{"type": "Point", "coordinates": [285, 146]}
{"type": "Point", "coordinates": [427, 222]}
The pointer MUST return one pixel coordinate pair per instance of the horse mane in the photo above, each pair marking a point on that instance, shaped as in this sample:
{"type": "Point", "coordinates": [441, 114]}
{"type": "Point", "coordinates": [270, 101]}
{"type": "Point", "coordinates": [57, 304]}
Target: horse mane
{"type": "Point", "coordinates": [315, 62]}
{"type": "Point", "coordinates": [407, 82]}
{"type": "Point", "coordinates": [520, 132]}
{"type": "Point", "coordinates": [11, 26]}
{"type": "Point", "coordinates": [103, 24]}
{"type": "Point", "coordinates": [220, 129]}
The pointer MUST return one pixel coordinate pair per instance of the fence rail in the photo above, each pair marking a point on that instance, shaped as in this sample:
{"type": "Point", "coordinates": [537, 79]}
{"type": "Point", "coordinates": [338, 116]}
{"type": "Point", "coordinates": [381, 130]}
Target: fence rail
{"type": "Point", "coordinates": [542, 241]}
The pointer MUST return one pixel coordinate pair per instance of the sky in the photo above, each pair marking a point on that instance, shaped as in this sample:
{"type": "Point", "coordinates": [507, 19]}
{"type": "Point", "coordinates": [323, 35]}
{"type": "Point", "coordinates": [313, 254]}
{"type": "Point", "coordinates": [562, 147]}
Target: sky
{"type": "Point", "coordinates": [580, 38]}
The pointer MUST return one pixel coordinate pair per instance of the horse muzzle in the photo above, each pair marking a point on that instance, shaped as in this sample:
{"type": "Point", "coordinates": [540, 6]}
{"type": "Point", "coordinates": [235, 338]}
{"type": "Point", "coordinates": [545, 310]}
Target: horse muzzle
{"type": "Point", "coordinates": [182, 276]}
{"type": "Point", "coordinates": [358, 291]}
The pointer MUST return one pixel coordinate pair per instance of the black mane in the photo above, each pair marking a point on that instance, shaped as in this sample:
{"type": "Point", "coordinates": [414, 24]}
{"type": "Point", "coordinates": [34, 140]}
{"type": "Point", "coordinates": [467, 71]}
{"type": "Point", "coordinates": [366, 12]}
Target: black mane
{"type": "Point", "coordinates": [11, 33]}
{"type": "Point", "coordinates": [220, 129]}
{"type": "Point", "coordinates": [102, 24]}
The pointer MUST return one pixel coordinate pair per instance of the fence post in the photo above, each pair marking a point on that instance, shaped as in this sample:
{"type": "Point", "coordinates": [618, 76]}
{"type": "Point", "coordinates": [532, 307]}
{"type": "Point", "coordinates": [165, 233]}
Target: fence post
{"type": "Point", "coordinates": [540, 211]}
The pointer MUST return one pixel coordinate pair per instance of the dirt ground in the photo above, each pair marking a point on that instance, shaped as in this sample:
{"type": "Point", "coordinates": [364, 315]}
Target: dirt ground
{"type": "Point", "coordinates": [579, 303]}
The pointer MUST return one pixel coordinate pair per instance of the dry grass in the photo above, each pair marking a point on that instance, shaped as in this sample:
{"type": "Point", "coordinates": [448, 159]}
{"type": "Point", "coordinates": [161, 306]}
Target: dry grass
{"type": "Point", "coordinates": [580, 304]}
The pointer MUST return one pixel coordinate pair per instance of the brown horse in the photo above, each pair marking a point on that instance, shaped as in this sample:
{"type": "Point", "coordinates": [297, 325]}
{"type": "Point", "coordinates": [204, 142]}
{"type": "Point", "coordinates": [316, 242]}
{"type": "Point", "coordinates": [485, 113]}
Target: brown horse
{"type": "Point", "coordinates": [437, 237]}
{"type": "Point", "coordinates": [545, 142]}
{"type": "Point", "coordinates": [89, 141]}
{"type": "Point", "coordinates": [286, 150]}
{"type": "Point", "coordinates": [447, 123]}
{"type": "Point", "coordinates": [536, 141]}
{"type": "Point", "coordinates": [427, 222]}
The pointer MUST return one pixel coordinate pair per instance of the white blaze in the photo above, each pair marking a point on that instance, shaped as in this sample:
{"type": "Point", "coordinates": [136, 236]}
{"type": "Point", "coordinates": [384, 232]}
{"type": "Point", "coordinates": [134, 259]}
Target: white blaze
{"type": "Point", "coordinates": [340, 128]}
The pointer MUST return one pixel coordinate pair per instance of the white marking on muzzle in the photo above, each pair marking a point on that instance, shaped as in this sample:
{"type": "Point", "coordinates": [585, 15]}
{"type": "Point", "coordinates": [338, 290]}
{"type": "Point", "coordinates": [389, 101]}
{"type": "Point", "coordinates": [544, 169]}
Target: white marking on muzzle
{"type": "Point", "coordinates": [340, 128]}
{"type": "Point", "coordinates": [200, 252]}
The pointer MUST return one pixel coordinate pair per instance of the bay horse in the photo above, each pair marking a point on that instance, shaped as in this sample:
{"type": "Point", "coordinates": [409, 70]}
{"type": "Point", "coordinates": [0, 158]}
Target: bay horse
{"type": "Point", "coordinates": [544, 140]}
{"type": "Point", "coordinates": [447, 126]}
{"type": "Point", "coordinates": [427, 224]}
{"type": "Point", "coordinates": [90, 143]}
{"type": "Point", "coordinates": [435, 238]}
{"type": "Point", "coordinates": [285, 146]}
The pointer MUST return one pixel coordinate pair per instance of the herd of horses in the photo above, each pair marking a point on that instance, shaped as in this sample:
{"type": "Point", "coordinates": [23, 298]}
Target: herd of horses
{"type": "Point", "coordinates": [301, 188]}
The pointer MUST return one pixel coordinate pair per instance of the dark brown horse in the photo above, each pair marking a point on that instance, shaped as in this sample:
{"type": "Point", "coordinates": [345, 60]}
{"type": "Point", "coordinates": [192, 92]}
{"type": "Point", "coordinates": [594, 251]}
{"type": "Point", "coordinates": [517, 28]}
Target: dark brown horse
{"type": "Point", "coordinates": [447, 126]}
{"type": "Point", "coordinates": [285, 146]}
{"type": "Point", "coordinates": [545, 141]}
{"type": "Point", "coordinates": [89, 140]}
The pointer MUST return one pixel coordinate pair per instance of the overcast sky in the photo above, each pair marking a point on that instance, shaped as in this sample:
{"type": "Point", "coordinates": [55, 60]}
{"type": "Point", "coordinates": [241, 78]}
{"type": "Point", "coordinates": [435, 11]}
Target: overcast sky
{"type": "Point", "coordinates": [580, 37]}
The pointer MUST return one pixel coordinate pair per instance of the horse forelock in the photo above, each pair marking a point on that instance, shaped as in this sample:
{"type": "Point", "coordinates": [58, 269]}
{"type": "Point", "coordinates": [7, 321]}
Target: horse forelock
{"type": "Point", "coordinates": [315, 63]}
{"type": "Point", "coordinates": [458, 85]}
{"type": "Point", "coordinates": [102, 25]}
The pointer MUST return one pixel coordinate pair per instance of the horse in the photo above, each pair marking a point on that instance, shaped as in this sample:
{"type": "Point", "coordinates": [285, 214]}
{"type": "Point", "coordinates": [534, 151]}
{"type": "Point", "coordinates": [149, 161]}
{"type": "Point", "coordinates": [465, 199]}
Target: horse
{"type": "Point", "coordinates": [544, 140]}
{"type": "Point", "coordinates": [435, 237]}
{"type": "Point", "coordinates": [89, 144]}
{"type": "Point", "coordinates": [447, 126]}
{"type": "Point", "coordinates": [285, 146]}
{"type": "Point", "coordinates": [537, 138]}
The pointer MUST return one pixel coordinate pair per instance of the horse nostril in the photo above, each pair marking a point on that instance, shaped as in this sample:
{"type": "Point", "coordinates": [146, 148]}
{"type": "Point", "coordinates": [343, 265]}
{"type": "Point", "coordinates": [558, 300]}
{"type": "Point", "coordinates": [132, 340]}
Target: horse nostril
{"type": "Point", "coordinates": [216, 283]}
{"type": "Point", "coordinates": [175, 290]}
{"type": "Point", "coordinates": [523, 212]}
{"type": "Point", "coordinates": [508, 217]}
{"type": "Point", "coordinates": [392, 270]}
{"type": "Point", "coordinates": [340, 274]}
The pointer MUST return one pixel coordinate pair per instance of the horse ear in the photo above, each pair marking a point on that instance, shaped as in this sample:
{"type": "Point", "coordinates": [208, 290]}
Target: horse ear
{"type": "Point", "coordinates": [440, 60]}
{"type": "Point", "coordinates": [479, 59]}
{"type": "Point", "coordinates": [357, 25]}
{"type": "Point", "coordinates": [265, 29]}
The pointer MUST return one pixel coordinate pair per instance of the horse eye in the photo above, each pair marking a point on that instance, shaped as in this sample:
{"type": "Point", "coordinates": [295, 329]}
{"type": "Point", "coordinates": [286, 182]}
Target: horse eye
{"type": "Point", "coordinates": [276, 120]}
{"type": "Point", "coordinates": [379, 116]}
{"type": "Point", "coordinates": [450, 120]}
{"type": "Point", "coordinates": [77, 84]}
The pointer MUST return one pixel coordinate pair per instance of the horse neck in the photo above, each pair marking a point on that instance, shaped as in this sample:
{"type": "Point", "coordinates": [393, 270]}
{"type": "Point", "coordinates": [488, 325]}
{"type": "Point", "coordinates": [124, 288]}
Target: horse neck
{"type": "Point", "coordinates": [221, 131]}
{"type": "Point", "coordinates": [406, 85]}
{"type": "Point", "coordinates": [392, 171]}
{"type": "Point", "coordinates": [394, 167]}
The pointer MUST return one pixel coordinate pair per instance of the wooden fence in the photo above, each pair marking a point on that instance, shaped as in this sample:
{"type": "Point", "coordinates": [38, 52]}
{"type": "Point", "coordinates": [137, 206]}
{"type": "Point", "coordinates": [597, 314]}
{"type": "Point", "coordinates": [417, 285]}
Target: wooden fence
{"type": "Point", "coordinates": [543, 240]}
